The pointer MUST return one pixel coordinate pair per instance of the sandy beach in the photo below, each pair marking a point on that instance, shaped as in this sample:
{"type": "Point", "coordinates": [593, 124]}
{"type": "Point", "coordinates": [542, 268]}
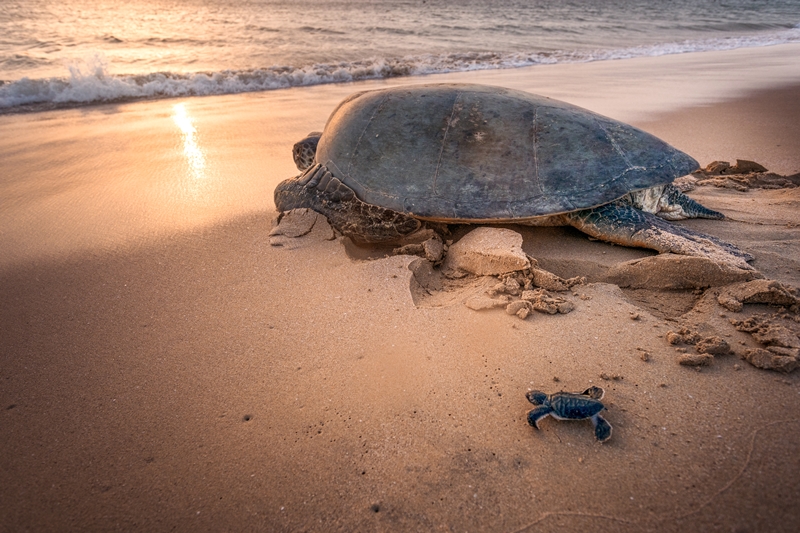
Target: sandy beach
{"type": "Point", "coordinates": [163, 367]}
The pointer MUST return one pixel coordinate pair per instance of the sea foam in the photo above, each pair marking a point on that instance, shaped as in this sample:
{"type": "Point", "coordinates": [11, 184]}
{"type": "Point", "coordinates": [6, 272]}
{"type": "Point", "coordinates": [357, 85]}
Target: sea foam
{"type": "Point", "coordinates": [90, 81]}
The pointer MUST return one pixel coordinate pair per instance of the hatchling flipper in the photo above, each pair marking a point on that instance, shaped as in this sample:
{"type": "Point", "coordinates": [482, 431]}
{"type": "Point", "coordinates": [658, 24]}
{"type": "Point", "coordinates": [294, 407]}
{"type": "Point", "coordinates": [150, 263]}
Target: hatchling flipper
{"type": "Point", "coordinates": [602, 429]}
{"type": "Point", "coordinates": [537, 414]}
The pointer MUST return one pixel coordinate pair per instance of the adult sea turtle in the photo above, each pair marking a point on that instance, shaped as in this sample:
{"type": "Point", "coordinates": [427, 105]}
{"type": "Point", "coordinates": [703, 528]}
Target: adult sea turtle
{"type": "Point", "coordinates": [571, 406]}
{"type": "Point", "coordinates": [390, 160]}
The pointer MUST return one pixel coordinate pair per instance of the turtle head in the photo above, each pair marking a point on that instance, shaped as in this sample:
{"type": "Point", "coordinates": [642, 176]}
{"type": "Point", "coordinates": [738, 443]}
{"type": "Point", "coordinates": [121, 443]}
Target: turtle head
{"type": "Point", "coordinates": [289, 194]}
{"type": "Point", "coordinates": [305, 150]}
{"type": "Point", "coordinates": [536, 397]}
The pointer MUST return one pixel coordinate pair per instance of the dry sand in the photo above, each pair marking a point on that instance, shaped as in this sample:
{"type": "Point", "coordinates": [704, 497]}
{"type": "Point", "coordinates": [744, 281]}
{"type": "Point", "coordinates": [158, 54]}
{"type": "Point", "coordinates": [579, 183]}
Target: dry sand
{"type": "Point", "coordinates": [163, 367]}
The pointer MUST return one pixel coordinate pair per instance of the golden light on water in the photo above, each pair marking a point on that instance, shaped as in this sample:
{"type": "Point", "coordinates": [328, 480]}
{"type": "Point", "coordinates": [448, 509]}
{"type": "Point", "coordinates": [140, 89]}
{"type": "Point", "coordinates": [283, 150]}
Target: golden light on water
{"type": "Point", "coordinates": [194, 154]}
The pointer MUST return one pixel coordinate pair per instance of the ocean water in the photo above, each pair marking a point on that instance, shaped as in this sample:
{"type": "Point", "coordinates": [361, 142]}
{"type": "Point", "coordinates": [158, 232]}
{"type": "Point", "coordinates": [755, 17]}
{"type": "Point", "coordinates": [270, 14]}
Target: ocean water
{"type": "Point", "coordinates": [62, 53]}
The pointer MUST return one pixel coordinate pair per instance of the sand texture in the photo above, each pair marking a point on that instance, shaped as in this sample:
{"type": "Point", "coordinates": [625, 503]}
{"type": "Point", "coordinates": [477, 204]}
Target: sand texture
{"type": "Point", "coordinates": [201, 371]}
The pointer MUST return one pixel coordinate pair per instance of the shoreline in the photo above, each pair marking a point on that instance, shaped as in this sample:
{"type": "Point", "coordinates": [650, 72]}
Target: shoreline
{"type": "Point", "coordinates": [75, 180]}
{"type": "Point", "coordinates": [768, 75]}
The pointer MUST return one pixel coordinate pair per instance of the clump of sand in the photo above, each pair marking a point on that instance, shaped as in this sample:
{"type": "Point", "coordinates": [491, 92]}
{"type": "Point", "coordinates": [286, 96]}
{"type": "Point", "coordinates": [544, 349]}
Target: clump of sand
{"type": "Point", "coordinates": [487, 268]}
{"type": "Point", "coordinates": [742, 176]}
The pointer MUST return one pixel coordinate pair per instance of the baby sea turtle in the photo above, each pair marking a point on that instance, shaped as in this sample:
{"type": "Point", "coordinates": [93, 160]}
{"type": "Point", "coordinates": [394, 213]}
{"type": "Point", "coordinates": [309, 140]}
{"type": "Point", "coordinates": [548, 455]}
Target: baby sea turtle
{"type": "Point", "coordinates": [571, 406]}
{"type": "Point", "coordinates": [393, 159]}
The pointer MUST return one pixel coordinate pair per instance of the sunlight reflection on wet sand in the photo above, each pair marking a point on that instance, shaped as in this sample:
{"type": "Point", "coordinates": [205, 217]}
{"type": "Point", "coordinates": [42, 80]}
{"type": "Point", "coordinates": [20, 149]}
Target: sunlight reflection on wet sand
{"type": "Point", "coordinates": [191, 149]}
{"type": "Point", "coordinates": [110, 176]}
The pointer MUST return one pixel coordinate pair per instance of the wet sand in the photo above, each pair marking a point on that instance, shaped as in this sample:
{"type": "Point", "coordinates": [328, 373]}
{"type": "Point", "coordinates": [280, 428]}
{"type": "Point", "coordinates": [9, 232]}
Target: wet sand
{"type": "Point", "coordinates": [164, 367]}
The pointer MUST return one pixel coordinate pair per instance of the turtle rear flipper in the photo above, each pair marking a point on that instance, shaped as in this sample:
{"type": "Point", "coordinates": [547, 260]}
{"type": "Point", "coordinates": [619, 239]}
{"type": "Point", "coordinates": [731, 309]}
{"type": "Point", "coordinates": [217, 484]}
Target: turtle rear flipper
{"type": "Point", "coordinates": [602, 429]}
{"type": "Point", "coordinates": [537, 414]}
{"type": "Point", "coordinates": [679, 206]}
{"type": "Point", "coordinates": [594, 392]}
{"type": "Point", "coordinates": [624, 224]}
{"type": "Point", "coordinates": [305, 150]}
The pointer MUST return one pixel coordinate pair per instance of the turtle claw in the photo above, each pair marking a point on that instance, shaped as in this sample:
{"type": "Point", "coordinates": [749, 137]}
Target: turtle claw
{"type": "Point", "coordinates": [602, 429]}
{"type": "Point", "coordinates": [537, 414]}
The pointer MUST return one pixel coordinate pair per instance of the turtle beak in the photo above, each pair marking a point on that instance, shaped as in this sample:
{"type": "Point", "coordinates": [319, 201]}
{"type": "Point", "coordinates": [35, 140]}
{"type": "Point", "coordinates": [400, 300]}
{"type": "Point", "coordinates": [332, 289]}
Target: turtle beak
{"type": "Point", "coordinates": [536, 397]}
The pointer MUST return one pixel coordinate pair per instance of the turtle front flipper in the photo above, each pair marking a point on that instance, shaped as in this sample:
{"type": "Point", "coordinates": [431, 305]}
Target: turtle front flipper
{"type": "Point", "coordinates": [318, 190]}
{"type": "Point", "coordinates": [602, 429]}
{"type": "Point", "coordinates": [621, 223]}
{"type": "Point", "coordinates": [534, 415]}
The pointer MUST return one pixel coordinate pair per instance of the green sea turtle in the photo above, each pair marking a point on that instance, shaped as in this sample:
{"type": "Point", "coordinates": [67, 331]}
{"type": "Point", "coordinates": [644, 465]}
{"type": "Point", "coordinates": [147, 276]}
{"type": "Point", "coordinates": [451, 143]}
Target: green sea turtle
{"type": "Point", "coordinates": [391, 160]}
{"type": "Point", "coordinates": [571, 406]}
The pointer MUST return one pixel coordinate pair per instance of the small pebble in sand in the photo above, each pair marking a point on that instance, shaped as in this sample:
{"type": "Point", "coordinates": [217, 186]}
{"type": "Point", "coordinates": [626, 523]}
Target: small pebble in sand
{"type": "Point", "coordinates": [683, 336]}
{"type": "Point", "coordinates": [635, 315]}
{"type": "Point", "coordinates": [432, 249]}
{"type": "Point", "coordinates": [767, 331]}
{"type": "Point", "coordinates": [696, 360]}
{"type": "Point", "coordinates": [521, 308]}
{"type": "Point", "coordinates": [713, 346]}
{"type": "Point", "coordinates": [737, 366]}
{"type": "Point", "coordinates": [478, 303]}
{"type": "Point", "coordinates": [555, 379]}
{"type": "Point", "coordinates": [565, 307]}
{"type": "Point", "coordinates": [644, 356]}
{"type": "Point", "coordinates": [780, 350]}
{"type": "Point", "coordinates": [512, 286]}
{"type": "Point", "coordinates": [756, 291]}
{"type": "Point", "coordinates": [767, 360]}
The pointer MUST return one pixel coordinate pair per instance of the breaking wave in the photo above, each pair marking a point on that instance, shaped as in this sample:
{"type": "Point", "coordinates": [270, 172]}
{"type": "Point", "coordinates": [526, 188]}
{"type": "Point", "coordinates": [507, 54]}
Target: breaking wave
{"type": "Point", "coordinates": [90, 82]}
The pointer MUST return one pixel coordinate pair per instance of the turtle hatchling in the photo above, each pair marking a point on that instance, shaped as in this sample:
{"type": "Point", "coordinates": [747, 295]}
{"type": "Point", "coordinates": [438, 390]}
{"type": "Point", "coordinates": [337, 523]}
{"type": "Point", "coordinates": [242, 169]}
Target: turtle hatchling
{"type": "Point", "coordinates": [391, 160]}
{"type": "Point", "coordinates": [571, 406]}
